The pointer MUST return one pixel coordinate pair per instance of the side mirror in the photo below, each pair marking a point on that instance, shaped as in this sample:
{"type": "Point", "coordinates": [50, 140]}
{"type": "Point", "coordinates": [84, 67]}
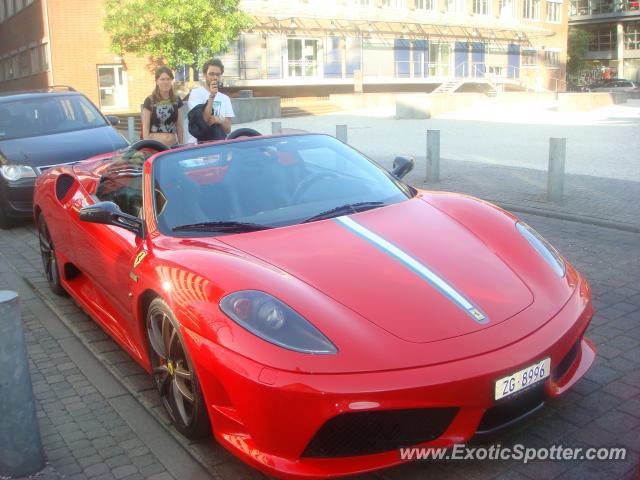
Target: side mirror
{"type": "Point", "coordinates": [113, 119]}
{"type": "Point", "coordinates": [109, 213]}
{"type": "Point", "coordinates": [402, 166]}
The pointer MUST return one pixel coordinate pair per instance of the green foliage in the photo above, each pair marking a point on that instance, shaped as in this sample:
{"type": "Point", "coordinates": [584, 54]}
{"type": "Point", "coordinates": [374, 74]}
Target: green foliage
{"type": "Point", "coordinates": [175, 32]}
{"type": "Point", "coordinates": [578, 41]}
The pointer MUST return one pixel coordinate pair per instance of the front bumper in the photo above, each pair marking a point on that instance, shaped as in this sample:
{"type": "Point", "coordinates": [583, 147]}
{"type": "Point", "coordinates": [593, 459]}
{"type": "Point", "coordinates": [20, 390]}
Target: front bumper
{"type": "Point", "coordinates": [269, 417]}
{"type": "Point", "coordinates": [17, 197]}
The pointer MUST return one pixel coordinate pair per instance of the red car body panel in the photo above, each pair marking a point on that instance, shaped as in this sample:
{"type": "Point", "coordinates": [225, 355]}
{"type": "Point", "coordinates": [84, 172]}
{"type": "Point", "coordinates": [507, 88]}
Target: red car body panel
{"type": "Point", "coordinates": [401, 343]}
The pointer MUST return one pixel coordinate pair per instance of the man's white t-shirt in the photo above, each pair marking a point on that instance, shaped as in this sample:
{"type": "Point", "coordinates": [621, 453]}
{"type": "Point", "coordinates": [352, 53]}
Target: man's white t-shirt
{"type": "Point", "coordinates": [221, 106]}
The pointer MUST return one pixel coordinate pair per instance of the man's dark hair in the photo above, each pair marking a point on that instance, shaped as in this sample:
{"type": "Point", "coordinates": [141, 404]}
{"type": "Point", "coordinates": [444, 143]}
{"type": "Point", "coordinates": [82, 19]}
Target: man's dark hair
{"type": "Point", "coordinates": [214, 62]}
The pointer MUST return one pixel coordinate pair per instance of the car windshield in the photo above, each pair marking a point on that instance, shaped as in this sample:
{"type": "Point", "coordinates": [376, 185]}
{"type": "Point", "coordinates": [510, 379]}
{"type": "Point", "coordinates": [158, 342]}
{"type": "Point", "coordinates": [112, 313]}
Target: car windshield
{"type": "Point", "coordinates": [47, 114]}
{"type": "Point", "coordinates": [266, 182]}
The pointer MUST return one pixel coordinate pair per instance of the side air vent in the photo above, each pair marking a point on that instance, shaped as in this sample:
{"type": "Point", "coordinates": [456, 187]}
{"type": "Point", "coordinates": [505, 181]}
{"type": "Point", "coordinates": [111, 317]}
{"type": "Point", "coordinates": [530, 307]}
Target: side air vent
{"type": "Point", "coordinates": [63, 185]}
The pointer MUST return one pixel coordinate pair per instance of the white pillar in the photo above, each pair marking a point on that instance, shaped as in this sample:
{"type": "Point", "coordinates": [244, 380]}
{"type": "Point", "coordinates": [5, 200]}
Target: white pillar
{"type": "Point", "coordinates": [620, 49]}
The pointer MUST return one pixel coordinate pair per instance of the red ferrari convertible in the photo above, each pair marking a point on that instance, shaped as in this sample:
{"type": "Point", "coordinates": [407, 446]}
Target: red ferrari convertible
{"type": "Point", "coordinates": [307, 306]}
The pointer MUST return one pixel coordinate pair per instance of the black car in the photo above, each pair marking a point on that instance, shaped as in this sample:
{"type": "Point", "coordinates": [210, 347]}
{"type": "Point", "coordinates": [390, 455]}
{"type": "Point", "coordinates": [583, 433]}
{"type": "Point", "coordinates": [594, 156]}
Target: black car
{"type": "Point", "coordinates": [41, 129]}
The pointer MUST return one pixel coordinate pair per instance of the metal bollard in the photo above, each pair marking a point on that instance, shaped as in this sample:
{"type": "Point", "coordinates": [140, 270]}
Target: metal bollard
{"type": "Point", "coordinates": [131, 129]}
{"type": "Point", "coordinates": [341, 133]}
{"type": "Point", "coordinates": [555, 176]}
{"type": "Point", "coordinates": [21, 451]}
{"type": "Point", "coordinates": [276, 127]}
{"type": "Point", "coordinates": [433, 156]}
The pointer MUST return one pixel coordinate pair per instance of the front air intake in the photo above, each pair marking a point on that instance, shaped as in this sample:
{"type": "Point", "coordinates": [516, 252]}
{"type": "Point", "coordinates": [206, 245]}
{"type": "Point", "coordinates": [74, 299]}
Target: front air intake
{"type": "Point", "coordinates": [366, 433]}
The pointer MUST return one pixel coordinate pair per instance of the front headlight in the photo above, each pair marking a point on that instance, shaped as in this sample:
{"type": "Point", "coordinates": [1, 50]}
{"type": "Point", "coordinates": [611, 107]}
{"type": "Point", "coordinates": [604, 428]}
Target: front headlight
{"type": "Point", "coordinates": [544, 248]}
{"type": "Point", "coordinates": [16, 172]}
{"type": "Point", "coordinates": [273, 321]}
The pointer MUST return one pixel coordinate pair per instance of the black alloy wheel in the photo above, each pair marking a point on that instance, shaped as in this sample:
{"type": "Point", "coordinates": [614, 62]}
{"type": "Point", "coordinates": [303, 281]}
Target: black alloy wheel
{"type": "Point", "coordinates": [174, 374]}
{"type": "Point", "coordinates": [49, 258]}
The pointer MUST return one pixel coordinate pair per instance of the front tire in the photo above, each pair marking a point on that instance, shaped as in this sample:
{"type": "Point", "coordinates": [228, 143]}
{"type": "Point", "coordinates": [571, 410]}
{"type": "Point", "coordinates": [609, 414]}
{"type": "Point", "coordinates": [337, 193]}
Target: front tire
{"type": "Point", "coordinates": [174, 374]}
{"type": "Point", "coordinates": [49, 258]}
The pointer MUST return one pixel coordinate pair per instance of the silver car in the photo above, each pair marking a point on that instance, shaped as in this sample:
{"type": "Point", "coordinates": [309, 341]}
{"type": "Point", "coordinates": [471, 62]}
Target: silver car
{"type": "Point", "coordinates": [618, 86]}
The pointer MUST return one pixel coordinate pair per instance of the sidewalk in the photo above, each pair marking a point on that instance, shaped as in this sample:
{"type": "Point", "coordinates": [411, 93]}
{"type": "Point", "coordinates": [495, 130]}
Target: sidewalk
{"type": "Point", "coordinates": [91, 427]}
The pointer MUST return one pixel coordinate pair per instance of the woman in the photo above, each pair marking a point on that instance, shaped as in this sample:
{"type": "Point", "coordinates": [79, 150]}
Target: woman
{"type": "Point", "coordinates": [162, 112]}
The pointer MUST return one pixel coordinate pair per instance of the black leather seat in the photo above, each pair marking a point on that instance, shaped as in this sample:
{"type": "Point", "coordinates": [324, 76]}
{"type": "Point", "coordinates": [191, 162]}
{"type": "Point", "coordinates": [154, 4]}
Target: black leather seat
{"type": "Point", "coordinates": [256, 182]}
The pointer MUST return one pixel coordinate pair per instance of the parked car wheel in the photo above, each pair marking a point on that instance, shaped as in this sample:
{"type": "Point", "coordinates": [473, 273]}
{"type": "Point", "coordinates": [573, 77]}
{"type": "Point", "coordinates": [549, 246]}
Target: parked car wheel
{"type": "Point", "coordinates": [49, 258]}
{"type": "Point", "coordinates": [174, 374]}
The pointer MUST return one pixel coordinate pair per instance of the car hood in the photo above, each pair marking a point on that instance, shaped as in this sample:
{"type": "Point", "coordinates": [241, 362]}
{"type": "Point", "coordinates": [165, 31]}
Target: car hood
{"type": "Point", "coordinates": [408, 268]}
{"type": "Point", "coordinates": [63, 147]}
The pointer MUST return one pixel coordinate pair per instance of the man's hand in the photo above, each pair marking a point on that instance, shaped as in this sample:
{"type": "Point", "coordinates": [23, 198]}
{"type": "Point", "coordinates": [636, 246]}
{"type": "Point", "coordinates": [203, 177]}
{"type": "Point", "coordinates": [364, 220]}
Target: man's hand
{"type": "Point", "coordinates": [213, 89]}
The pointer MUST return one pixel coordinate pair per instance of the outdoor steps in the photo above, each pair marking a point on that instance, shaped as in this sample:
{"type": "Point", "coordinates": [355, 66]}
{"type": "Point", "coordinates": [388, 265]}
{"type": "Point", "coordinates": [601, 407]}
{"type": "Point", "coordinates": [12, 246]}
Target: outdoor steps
{"type": "Point", "coordinates": [449, 86]}
{"type": "Point", "coordinates": [302, 108]}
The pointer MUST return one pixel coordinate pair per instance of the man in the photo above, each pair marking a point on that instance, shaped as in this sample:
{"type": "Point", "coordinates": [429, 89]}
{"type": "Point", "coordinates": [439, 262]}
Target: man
{"type": "Point", "coordinates": [218, 109]}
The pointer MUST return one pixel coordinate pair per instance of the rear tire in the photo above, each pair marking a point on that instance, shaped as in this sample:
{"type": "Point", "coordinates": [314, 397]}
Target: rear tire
{"type": "Point", "coordinates": [174, 374]}
{"type": "Point", "coordinates": [49, 258]}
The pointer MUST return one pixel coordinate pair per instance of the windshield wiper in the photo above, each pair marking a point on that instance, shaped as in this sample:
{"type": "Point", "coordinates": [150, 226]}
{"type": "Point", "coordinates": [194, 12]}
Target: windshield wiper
{"type": "Point", "coordinates": [345, 209]}
{"type": "Point", "coordinates": [226, 227]}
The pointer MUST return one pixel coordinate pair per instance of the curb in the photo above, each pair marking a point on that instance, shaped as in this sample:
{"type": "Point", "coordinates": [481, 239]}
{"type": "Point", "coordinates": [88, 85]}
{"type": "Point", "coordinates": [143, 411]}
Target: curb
{"type": "Point", "coordinates": [626, 227]}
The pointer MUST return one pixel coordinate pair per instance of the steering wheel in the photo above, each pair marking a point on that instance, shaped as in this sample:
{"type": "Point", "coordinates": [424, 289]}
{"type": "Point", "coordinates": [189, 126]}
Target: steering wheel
{"type": "Point", "coordinates": [308, 182]}
{"type": "Point", "coordinates": [243, 132]}
{"type": "Point", "coordinates": [150, 144]}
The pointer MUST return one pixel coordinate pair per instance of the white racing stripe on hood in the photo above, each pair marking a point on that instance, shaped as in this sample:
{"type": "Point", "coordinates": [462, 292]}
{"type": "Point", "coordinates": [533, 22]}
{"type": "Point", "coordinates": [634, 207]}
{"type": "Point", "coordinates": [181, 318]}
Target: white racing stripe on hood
{"type": "Point", "coordinates": [414, 265]}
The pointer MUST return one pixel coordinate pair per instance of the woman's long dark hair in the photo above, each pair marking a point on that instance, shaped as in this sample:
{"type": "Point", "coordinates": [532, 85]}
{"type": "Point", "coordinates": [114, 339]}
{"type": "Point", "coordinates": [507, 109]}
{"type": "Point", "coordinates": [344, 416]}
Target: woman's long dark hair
{"type": "Point", "coordinates": [156, 91]}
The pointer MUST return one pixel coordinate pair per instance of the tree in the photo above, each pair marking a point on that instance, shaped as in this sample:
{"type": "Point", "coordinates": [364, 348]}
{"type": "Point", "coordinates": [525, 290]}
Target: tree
{"type": "Point", "coordinates": [175, 32]}
{"type": "Point", "coordinates": [578, 45]}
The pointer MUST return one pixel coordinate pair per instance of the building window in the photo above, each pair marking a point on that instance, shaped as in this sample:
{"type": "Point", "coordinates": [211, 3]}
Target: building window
{"type": "Point", "coordinates": [10, 7]}
{"type": "Point", "coordinates": [15, 66]}
{"type": "Point", "coordinates": [361, 3]}
{"type": "Point", "coordinates": [552, 58]}
{"type": "Point", "coordinates": [632, 36]}
{"type": "Point", "coordinates": [394, 3]}
{"type": "Point", "coordinates": [19, 5]}
{"type": "Point", "coordinates": [2, 11]}
{"type": "Point", "coordinates": [456, 6]}
{"type": "Point", "coordinates": [481, 7]}
{"type": "Point", "coordinates": [529, 58]}
{"type": "Point", "coordinates": [35, 60]}
{"type": "Point", "coordinates": [602, 38]}
{"type": "Point", "coordinates": [112, 83]}
{"type": "Point", "coordinates": [507, 9]}
{"type": "Point", "coordinates": [531, 9]}
{"type": "Point", "coordinates": [554, 11]}
{"type": "Point", "coordinates": [44, 57]}
{"type": "Point", "coordinates": [425, 4]}
{"type": "Point", "coordinates": [302, 57]}
{"type": "Point", "coordinates": [439, 59]}
{"type": "Point", "coordinates": [25, 66]}
{"type": "Point", "coordinates": [629, 6]}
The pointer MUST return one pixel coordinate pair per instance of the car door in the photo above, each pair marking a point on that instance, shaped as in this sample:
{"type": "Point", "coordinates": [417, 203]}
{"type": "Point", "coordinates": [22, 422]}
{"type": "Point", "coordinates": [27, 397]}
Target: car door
{"type": "Point", "coordinates": [105, 254]}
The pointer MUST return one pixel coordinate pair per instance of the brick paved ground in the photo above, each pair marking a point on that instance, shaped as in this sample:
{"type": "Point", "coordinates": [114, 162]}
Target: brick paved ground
{"type": "Point", "coordinates": [83, 436]}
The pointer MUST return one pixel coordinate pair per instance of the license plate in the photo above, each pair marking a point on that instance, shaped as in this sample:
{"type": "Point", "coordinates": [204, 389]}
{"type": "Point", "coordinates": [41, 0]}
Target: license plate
{"type": "Point", "coordinates": [522, 379]}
